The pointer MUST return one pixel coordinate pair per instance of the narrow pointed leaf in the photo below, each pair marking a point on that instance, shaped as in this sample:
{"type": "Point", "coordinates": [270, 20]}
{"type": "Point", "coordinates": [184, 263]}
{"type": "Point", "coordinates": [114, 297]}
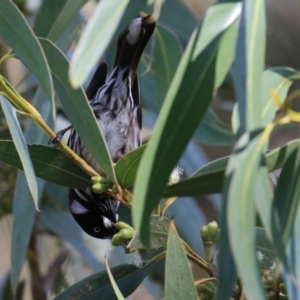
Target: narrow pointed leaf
{"type": "Point", "coordinates": [193, 82]}
{"type": "Point", "coordinates": [209, 178]}
{"type": "Point", "coordinates": [241, 175]}
{"type": "Point", "coordinates": [126, 167]}
{"type": "Point", "coordinates": [179, 282]}
{"type": "Point", "coordinates": [159, 230]}
{"type": "Point", "coordinates": [46, 16]}
{"type": "Point", "coordinates": [249, 64]}
{"type": "Point", "coordinates": [18, 35]}
{"type": "Point", "coordinates": [23, 208]}
{"type": "Point", "coordinates": [98, 286]}
{"type": "Point", "coordinates": [165, 148]}
{"type": "Point", "coordinates": [285, 204]}
{"type": "Point", "coordinates": [59, 18]}
{"type": "Point", "coordinates": [77, 108]}
{"type": "Point", "coordinates": [57, 168]}
{"type": "Point", "coordinates": [20, 146]}
{"type": "Point", "coordinates": [167, 53]}
{"type": "Point", "coordinates": [226, 53]}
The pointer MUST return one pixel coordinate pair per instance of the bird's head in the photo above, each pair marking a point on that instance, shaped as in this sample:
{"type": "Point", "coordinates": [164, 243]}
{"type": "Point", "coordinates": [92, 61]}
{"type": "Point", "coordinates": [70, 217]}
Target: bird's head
{"type": "Point", "coordinates": [96, 217]}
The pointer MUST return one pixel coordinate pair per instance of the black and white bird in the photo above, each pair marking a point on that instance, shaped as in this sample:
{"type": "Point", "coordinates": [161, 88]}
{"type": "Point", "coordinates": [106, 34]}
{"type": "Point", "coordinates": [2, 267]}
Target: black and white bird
{"type": "Point", "coordinates": [116, 105]}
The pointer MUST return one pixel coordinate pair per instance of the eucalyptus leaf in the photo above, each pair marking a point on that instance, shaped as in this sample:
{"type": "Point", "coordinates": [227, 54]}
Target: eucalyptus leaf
{"type": "Point", "coordinates": [240, 178]}
{"type": "Point", "coordinates": [20, 146]}
{"type": "Point", "coordinates": [179, 282]}
{"type": "Point", "coordinates": [249, 64]}
{"type": "Point", "coordinates": [159, 228]}
{"type": "Point", "coordinates": [98, 286]}
{"type": "Point", "coordinates": [126, 167]}
{"type": "Point", "coordinates": [164, 148]}
{"type": "Point", "coordinates": [57, 168]}
{"type": "Point", "coordinates": [17, 33]}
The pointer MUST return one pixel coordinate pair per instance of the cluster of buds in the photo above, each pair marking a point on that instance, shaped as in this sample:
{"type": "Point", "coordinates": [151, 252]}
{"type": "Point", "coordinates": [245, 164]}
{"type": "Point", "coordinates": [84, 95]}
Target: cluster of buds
{"type": "Point", "coordinates": [274, 286]}
{"type": "Point", "coordinates": [125, 234]}
{"type": "Point", "coordinates": [101, 184]}
{"type": "Point", "coordinates": [210, 233]}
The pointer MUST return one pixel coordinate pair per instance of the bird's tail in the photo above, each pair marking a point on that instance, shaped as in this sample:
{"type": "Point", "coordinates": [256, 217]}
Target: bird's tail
{"type": "Point", "coordinates": [132, 42]}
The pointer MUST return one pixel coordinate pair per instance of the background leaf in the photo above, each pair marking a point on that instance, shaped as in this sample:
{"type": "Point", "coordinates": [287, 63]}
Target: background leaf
{"type": "Point", "coordinates": [179, 280]}
{"type": "Point", "coordinates": [20, 146]}
{"type": "Point", "coordinates": [165, 147]}
{"type": "Point", "coordinates": [128, 278]}
{"type": "Point", "coordinates": [57, 168]}
{"type": "Point", "coordinates": [18, 35]}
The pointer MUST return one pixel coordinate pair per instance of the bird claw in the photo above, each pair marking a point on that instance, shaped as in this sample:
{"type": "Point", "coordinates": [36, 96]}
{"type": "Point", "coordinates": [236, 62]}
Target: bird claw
{"type": "Point", "coordinates": [59, 135]}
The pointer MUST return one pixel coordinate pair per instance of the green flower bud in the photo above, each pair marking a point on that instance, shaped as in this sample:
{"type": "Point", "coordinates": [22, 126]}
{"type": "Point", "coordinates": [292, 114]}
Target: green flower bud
{"type": "Point", "coordinates": [204, 233]}
{"type": "Point", "coordinates": [126, 234]}
{"type": "Point", "coordinates": [99, 188]}
{"type": "Point", "coordinates": [212, 231]}
{"type": "Point", "coordinates": [99, 179]}
{"type": "Point", "coordinates": [117, 240]}
{"type": "Point", "coordinates": [122, 225]}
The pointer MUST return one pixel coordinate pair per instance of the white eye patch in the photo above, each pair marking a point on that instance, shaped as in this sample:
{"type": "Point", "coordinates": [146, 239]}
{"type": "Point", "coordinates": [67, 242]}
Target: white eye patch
{"type": "Point", "coordinates": [77, 208]}
{"type": "Point", "coordinates": [106, 222]}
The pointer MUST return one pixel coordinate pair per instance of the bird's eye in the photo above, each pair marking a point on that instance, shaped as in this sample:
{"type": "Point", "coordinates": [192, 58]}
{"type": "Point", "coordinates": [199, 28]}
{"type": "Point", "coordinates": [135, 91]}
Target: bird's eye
{"type": "Point", "coordinates": [97, 229]}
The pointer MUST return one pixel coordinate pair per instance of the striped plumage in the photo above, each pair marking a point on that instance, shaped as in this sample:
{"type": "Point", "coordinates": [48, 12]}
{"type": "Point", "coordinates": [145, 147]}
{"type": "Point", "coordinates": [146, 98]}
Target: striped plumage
{"type": "Point", "coordinates": [116, 105]}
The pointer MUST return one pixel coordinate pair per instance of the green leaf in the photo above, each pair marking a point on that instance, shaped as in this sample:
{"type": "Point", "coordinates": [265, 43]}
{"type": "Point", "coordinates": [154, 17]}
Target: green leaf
{"type": "Point", "coordinates": [23, 207]}
{"type": "Point", "coordinates": [66, 16]}
{"type": "Point", "coordinates": [241, 179]}
{"type": "Point", "coordinates": [126, 167]}
{"type": "Point", "coordinates": [226, 266]}
{"type": "Point", "coordinates": [226, 53]}
{"type": "Point", "coordinates": [47, 15]}
{"type": "Point", "coordinates": [218, 20]}
{"type": "Point", "coordinates": [167, 52]}
{"type": "Point", "coordinates": [57, 168]}
{"type": "Point", "coordinates": [97, 286]}
{"type": "Point", "coordinates": [164, 148]}
{"type": "Point", "coordinates": [159, 229]}
{"type": "Point", "coordinates": [24, 216]}
{"type": "Point", "coordinates": [249, 64]}
{"type": "Point", "coordinates": [292, 279]}
{"type": "Point", "coordinates": [193, 82]}
{"type": "Point", "coordinates": [285, 204]}
{"type": "Point", "coordinates": [179, 282]}
{"type": "Point", "coordinates": [77, 108]}
{"type": "Point", "coordinates": [18, 35]}
{"type": "Point", "coordinates": [20, 146]}
{"type": "Point", "coordinates": [97, 36]}
{"type": "Point", "coordinates": [209, 178]}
